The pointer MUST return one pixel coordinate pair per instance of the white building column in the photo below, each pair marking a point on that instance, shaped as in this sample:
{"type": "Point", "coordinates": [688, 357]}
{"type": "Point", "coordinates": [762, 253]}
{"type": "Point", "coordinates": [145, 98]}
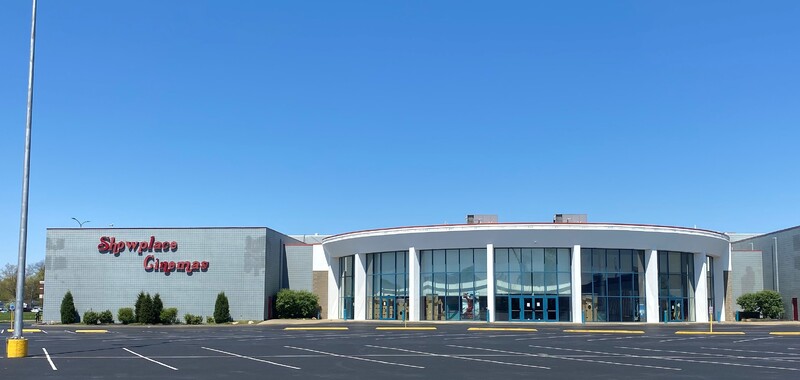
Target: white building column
{"type": "Point", "coordinates": [360, 286]}
{"type": "Point", "coordinates": [333, 286]}
{"type": "Point", "coordinates": [577, 309]}
{"type": "Point", "coordinates": [490, 280]}
{"type": "Point", "coordinates": [413, 285]}
{"type": "Point", "coordinates": [651, 284]}
{"type": "Point", "coordinates": [700, 288]}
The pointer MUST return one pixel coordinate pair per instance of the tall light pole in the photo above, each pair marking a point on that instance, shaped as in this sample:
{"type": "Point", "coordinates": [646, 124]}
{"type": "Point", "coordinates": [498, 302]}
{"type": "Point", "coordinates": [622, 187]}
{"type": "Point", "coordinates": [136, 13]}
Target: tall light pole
{"type": "Point", "coordinates": [81, 223]}
{"type": "Point", "coordinates": [17, 346]}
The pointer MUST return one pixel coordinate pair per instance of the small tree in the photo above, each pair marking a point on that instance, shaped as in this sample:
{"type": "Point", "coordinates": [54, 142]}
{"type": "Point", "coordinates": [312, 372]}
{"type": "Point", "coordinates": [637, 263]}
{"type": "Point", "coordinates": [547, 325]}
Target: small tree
{"type": "Point", "coordinates": [125, 316]}
{"type": "Point", "coordinates": [296, 304]}
{"type": "Point", "coordinates": [766, 302]}
{"type": "Point", "coordinates": [222, 311]}
{"type": "Point", "coordinates": [146, 310]}
{"type": "Point", "coordinates": [68, 312]}
{"type": "Point", "coordinates": [138, 307]}
{"type": "Point", "coordinates": [158, 307]}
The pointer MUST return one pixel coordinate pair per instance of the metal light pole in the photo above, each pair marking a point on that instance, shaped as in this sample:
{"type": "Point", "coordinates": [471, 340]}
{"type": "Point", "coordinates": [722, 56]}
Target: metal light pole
{"type": "Point", "coordinates": [81, 223]}
{"type": "Point", "coordinates": [17, 346]}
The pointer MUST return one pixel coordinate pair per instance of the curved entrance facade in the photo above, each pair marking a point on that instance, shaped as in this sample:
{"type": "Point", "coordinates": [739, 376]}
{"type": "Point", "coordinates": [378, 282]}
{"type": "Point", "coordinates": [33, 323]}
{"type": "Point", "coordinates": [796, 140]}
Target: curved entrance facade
{"type": "Point", "coordinates": [528, 272]}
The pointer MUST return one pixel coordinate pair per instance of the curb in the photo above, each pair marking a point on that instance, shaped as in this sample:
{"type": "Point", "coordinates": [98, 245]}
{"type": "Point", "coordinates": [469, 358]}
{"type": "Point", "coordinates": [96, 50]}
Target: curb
{"type": "Point", "coordinates": [709, 333]}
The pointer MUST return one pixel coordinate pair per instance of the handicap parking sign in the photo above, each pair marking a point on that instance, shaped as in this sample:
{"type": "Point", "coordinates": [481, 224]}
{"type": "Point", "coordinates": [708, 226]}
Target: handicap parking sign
{"type": "Point", "coordinates": [12, 307]}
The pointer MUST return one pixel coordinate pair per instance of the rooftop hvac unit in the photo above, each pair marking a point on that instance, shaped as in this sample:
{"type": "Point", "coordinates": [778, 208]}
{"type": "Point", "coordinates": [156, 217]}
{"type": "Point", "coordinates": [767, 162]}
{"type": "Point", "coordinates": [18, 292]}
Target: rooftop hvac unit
{"type": "Point", "coordinates": [481, 218]}
{"type": "Point", "coordinates": [570, 218]}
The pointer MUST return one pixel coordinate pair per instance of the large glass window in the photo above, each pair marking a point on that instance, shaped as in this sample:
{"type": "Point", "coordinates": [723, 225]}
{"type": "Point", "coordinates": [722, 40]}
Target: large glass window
{"type": "Point", "coordinates": [532, 284]}
{"type": "Point", "coordinates": [453, 284]}
{"type": "Point", "coordinates": [346, 287]}
{"type": "Point", "coordinates": [387, 285]}
{"type": "Point", "coordinates": [612, 285]}
{"type": "Point", "coordinates": [676, 286]}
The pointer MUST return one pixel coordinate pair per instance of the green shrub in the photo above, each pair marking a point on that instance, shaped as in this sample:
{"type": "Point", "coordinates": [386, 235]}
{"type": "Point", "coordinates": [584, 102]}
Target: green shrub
{"type": "Point", "coordinates": [125, 315]}
{"type": "Point", "coordinates": [209, 319]}
{"type": "Point", "coordinates": [296, 304]}
{"type": "Point", "coordinates": [169, 316]}
{"type": "Point", "coordinates": [91, 318]}
{"type": "Point", "coordinates": [191, 319]}
{"type": "Point", "coordinates": [68, 312]}
{"type": "Point", "coordinates": [138, 307]}
{"type": "Point", "coordinates": [106, 317]}
{"type": "Point", "coordinates": [766, 302]}
{"type": "Point", "coordinates": [222, 312]}
{"type": "Point", "coordinates": [158, 307]}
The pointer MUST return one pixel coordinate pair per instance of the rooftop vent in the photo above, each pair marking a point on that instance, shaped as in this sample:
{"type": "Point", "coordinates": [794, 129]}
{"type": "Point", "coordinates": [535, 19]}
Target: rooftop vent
{"type": "Point", "coordinates": [570, 218]}
{"type": "Point", "coordinates": [481, 218]}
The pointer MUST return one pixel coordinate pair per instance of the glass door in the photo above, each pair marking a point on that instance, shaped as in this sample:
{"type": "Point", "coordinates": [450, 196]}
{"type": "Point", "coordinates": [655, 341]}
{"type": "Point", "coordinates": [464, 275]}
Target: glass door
{"type": "Point", "coordinates": [676, 311]}
{"type": "Point", "coordinates": [387, 308]}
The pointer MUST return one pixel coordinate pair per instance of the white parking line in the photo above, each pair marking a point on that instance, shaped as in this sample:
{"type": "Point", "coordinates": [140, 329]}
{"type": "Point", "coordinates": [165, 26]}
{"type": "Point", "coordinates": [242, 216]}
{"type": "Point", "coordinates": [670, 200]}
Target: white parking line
{"type": "Point", "coordinates": [750, 340]}
{"type": "Point", "coordinates": [750, 351]}
{"type": "Point", "coordinates": [45, 332]}
{"type": "Point", "coordinates": [250, 358]}
{"type": "Point", "coordinates": [705, 361]}
{"type": "Point", "coordinates": [605, 354]}
{"type": "Point", "coordinates": [148, 359]}
{"type": "Point", "coordinates": [70, 332]}
{"type": "Point", "coordinates": [600, 339]}
{"type": "Point", "coordinates": [556, 337]}
{"type": "Point", "coordinates": [678, 339]}
{"type": "Point", "coordinates": [49, 360]}
{"type": "Point", "coordinates": [459, 357]}
{"type": "Point", "coordinates": [354, 357]}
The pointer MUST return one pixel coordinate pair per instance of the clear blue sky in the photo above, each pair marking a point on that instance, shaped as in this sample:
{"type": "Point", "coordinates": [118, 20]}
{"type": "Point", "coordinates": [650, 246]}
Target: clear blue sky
{"type": "Point", "coordinates": [328, 116]}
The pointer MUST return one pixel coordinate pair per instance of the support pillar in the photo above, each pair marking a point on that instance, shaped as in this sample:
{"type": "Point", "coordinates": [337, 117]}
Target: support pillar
{"type": "Point", "coordinates": [333, 287]}
{"type": "Point", "coordinates": [577, 308]}
{"type": "Point", "coordinates": [360, 287]}
{"type": "Point", "coordinates": [490, 280]}
{"type": "Point", "coordinates": [413, 285]}
{"type": "Point", "coordinates": [700, 288]}
{"type": "Point", "coordinates": [651, 285]}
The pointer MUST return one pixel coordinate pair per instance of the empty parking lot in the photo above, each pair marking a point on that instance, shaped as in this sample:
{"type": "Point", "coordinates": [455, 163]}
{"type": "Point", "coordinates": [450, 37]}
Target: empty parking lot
{"type": "Point", "coordinates": [360, 350]}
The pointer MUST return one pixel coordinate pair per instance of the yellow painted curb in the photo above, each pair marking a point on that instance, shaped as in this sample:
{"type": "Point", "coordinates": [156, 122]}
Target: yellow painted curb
{"type": "Point", "coordinates": [785, 333]}
{"type": "Point", "coordinates": [315, 328]}
{"type": "Point", "coordinates": [606, 331]}
{"type": "Point", "coordinates": [501, 329]}
{"type": "Point", "coordinates": [16, 348]}
{"type": "Point", "coordinates": [709, 333]}
{"type": "Point", "coordinates": [26, 330]}
{"type": "Point", "coordinates": [407, 328]}
{"type": "Point", "coordinates": [92, 331]}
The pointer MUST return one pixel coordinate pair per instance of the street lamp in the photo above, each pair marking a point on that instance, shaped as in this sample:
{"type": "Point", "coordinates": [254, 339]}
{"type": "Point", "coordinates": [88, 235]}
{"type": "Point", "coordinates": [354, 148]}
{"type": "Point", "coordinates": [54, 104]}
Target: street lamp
{"type": "Point", "coordinates": [81, 223]}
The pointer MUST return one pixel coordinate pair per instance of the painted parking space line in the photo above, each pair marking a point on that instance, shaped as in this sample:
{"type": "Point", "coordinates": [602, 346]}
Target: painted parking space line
{"type": "Point", "coordinates": [680, 339]}
{"type": "Point", "coordinates": [88, 331]}
{"type": "Point", "coordinates": [391, 328]}
{"type": "Point", "coordinates": [752, 339]}
{"type": "Point", "coordinates": [554, 337]}
{"type": "Point", "coordinates": [251, 358]}
{"type": "Point", "coordinates": [151, 360]}
{"type": "Point", "coordinates": [708, 361]}
{"type": "Point", "coordinates": [520, 329]}
{"type": "Point", "coordinates": [750, 351]}
{"type": "Point", "coordinates": [604, 354]}
{"type": "Point", "coordinates": [27, 330]}
{"type": "Point", "coordinates": [605, 331]}
{"type": "Point", "coordinates": [458, 357]}
{"type": "Point", "coordinates": [315, 328]}
{"type": "Point", "coordinates": [785, 333]}
{"type": "Point", "coordinates": [49, 360]}
{"type": "Point", "coordinates": [689, 332]}
{"type": "Point", "coordinates": [70, 332]}
{"type": "Point", "coordinates": [615, 338]}
{"type": "Point", "coordinates": [354, 357]}
{"type": "Point", "coordinates": [498, 351]}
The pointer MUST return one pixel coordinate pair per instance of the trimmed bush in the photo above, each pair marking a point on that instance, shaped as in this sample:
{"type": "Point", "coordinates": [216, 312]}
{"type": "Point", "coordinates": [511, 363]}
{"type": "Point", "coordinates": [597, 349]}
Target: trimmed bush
{"type": "Point", "coordinates": [106, 317]}
{"type": "Point", "coordinates": [68, 312]}
{"type": "Point", "coordinates": [91, 318]}
{"type": "Point", "coordinates": [222, 312]}
{"type": "Point", "coordinates": [191, 319]}
{"type": "Point", "coordinates": [296, 304]}
{"type": "Point", "coordinates": [766, 302]}
{"type": "Point", "coordinates": [209, 320]}
{"type": "Point", "coordinates": [125, 315]}
{"type": "Point", "coordinates": [169, 316]}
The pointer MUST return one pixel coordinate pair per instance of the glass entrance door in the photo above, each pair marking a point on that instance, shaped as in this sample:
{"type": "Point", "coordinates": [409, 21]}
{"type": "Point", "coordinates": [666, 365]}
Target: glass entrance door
{"type": "Point", "coordinates": [545, 308]}
{"type": "Point", "coordinates": [533, 308]}
{"type": "Point", "coordinates": [387, 308]}
{"type": "Point", "coordinates": [676, 311]}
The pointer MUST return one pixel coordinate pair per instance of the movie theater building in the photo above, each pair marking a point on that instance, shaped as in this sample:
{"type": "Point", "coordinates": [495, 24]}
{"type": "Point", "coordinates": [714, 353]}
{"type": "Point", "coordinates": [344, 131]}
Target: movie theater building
{"type": "Point", "coordinates": [515, 272]}
{"type": "Point", "coordinates": [105, 269]}
{"type": "Point", "coordinates": [529, 272]}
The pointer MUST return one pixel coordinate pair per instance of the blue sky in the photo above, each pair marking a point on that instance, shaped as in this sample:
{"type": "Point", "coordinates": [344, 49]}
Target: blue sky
{"type": "Point", "coordinates": [327, 117]}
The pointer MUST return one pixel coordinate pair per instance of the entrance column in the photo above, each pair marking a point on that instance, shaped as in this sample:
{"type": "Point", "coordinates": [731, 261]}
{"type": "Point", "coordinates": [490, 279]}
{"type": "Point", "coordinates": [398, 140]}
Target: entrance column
{"type": "Point", "coordinates": [360, 286]}
{"type": "Point", "coordinates": [577, 308]}
{"type": "Point", "coordinates": [651, 284]}
{"type": "Point", "coordinates": [490, 280]}
{"type": "Point", "coordinates": [700, 288]}
{"type": "Point", "coordinates": [334, 282]}
{"type": "Point", "coordinates": [413, 285]}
